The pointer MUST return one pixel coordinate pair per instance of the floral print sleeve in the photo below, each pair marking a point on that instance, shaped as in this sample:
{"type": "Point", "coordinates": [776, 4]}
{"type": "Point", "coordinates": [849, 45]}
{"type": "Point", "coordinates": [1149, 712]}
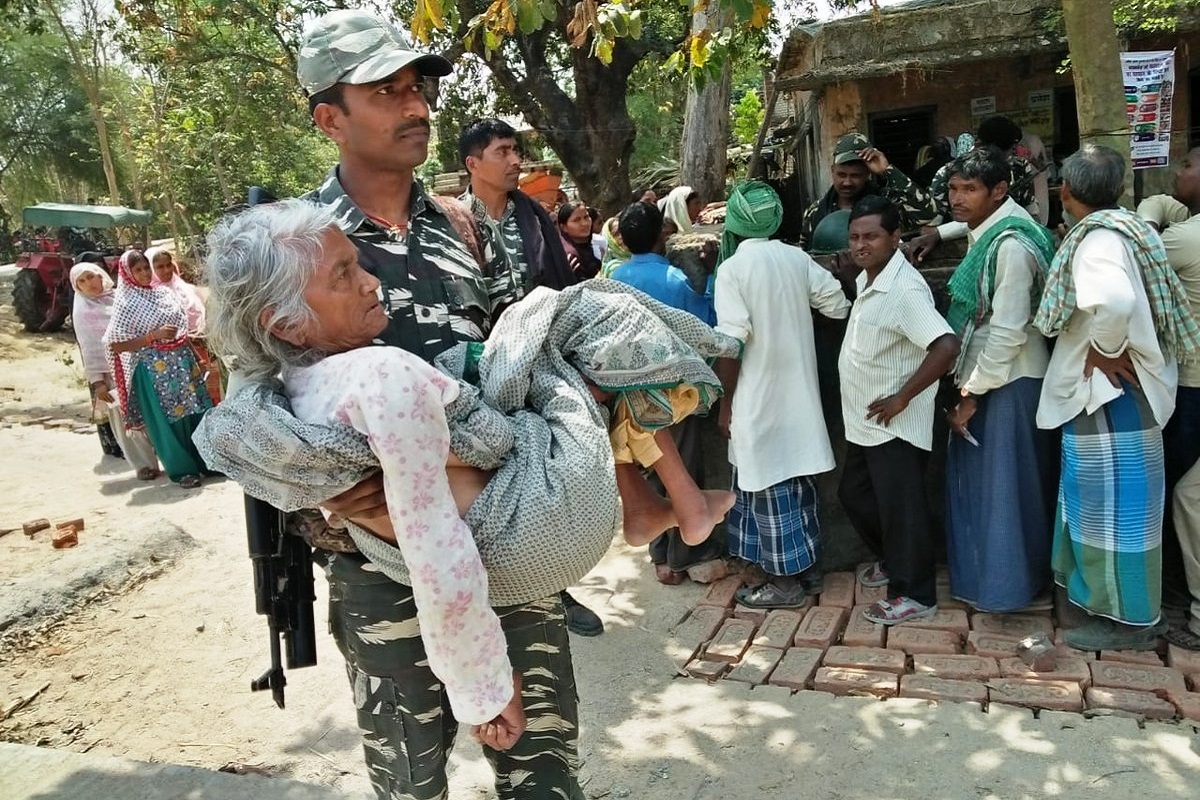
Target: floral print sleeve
{"type": "Point", "coordinates": [398, 401]}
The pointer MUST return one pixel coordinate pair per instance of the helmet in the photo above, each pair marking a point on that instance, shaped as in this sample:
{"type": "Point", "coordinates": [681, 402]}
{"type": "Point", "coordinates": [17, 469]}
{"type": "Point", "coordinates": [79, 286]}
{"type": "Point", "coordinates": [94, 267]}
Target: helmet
{"type": "Point", "coordinates": [832, 234]}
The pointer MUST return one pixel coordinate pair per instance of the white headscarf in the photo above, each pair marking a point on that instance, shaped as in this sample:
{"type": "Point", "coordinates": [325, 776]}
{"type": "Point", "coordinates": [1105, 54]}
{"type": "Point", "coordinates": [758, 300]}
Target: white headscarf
{"type": "Point", "coordinates": [193, 306]}
{"type": "Point", "coordinates": [675, 208]}
{"type": "Point", "coordinates": [89, 318]}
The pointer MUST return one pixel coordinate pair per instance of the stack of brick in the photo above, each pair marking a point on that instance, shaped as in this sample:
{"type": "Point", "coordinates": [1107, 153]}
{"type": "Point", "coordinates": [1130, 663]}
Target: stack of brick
{"type": "Point", "coordinates": [955, 655]}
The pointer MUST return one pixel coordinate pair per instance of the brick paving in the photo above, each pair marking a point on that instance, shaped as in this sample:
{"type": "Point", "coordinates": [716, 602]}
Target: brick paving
{"type": "Point", "coordinates": [957, 655]}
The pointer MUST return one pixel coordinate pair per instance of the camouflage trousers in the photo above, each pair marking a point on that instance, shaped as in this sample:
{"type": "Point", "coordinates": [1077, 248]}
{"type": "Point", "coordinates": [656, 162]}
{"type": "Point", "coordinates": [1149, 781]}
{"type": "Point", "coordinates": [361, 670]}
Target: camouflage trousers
{"type": "Point", "coordinates": [408, 727]}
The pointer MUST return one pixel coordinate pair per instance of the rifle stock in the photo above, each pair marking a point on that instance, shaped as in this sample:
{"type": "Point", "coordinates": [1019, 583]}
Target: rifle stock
{"type": "Point", "coordinates": [284, 592]}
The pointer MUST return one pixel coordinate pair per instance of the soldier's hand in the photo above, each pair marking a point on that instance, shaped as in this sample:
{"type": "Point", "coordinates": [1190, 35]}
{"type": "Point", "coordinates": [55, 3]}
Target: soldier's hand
{"type": "Point", "coordinates": [876, 161]}
{"type": "Point", "coordinates": [364, 500]}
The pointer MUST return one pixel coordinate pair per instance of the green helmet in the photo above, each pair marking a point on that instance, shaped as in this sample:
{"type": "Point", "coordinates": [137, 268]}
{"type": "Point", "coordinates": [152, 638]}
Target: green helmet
{"type": "Point", "coordinates": [832, 234]}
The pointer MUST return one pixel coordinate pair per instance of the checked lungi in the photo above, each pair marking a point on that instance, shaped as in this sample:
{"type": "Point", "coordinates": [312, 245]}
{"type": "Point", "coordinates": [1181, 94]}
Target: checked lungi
{"type": "Point", "coordinates": [776, 528]}
{"type": "Point", "coordinates": [1108, 526]}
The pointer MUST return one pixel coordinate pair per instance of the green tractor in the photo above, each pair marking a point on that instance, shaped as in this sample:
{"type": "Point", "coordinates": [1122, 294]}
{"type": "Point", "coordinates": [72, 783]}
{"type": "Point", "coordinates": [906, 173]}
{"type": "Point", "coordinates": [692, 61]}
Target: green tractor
{"type": "Point", "coordinates": [42, 292]}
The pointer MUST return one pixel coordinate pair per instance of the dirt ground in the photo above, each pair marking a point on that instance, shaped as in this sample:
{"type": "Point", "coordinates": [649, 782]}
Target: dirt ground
{"type": "Point", "coordinates": [160, 670]}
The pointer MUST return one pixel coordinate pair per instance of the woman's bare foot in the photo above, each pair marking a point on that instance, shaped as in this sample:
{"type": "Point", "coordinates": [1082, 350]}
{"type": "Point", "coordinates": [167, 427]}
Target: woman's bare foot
{"type": "Point", "coordinates": [645, 519]}
{"type": "Point", "coordinates": [697, 522]}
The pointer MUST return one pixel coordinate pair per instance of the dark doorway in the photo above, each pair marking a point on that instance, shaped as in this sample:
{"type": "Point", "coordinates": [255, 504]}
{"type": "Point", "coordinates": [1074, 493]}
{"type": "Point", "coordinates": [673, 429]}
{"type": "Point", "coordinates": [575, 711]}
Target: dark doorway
{"type": "Point", "coordinates": [1066, 123]}
{"type": "Point", "coordinates": [1193, 134]}
{"type": "Point", "coordinates": [900, 134]}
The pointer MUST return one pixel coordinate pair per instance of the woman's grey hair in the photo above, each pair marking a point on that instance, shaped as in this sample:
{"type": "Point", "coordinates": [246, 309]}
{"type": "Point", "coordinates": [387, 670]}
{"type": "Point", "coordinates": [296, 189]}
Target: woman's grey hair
{"type": "Point", "coordinates": [263, 258]}
{"type": "Point", "coordinates": [1095, 175]}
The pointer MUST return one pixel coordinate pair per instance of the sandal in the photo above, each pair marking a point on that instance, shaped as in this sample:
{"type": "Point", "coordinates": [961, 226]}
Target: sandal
{"type": "Point", "coordinates": [1183, 637]}
{"type": "Point", "coordinates": [190, 482]}
{"type": "Point", "coordinates": [667, 576]}
{"type": "Point", "coordinates": [147, 474]}
{"type": "Point", "coordinates": [771, 596]}
{"type": "Point", "coordinates": [897, 610]}
{"type": "Point", "coordinates": [872, 575]}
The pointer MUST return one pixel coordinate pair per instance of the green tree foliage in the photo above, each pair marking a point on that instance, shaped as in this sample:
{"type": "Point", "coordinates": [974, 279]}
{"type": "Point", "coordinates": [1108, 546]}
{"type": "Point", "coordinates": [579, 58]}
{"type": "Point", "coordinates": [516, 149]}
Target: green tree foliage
{"type": "Point", "coordinates": [748, 116]}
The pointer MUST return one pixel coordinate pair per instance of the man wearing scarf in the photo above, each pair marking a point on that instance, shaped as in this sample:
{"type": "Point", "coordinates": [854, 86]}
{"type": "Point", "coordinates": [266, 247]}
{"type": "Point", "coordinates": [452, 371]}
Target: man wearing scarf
{"type": "Point", "coordinates": [1122, 322]}
{"type": "Point", "coordinates": [765, 293]}
{"type": "Point", "coordinates": [999, 470]}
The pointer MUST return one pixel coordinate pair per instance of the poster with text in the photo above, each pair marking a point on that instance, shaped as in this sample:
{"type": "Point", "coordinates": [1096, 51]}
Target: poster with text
{"type": "Point", "coordinates": [1149, 79]}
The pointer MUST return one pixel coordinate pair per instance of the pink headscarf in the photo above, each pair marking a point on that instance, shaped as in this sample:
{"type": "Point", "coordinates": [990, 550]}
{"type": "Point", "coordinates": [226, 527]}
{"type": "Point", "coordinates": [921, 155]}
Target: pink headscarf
{"type": "Point", "coordinates": [137, 310]}
{"type": "Point", "coordinates": [89, 319]}
{"type": "Point", "coordinates": [193, 306]}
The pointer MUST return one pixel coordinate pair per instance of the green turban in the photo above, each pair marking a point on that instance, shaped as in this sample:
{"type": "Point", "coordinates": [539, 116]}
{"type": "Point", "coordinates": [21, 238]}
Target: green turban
{"type": "Point", "coordinates": [753, 212]}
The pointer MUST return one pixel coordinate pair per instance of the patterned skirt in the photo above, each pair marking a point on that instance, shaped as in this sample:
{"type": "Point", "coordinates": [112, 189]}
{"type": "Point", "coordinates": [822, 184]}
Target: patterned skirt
{"type": "Point", "coordinates": [1108, 526]}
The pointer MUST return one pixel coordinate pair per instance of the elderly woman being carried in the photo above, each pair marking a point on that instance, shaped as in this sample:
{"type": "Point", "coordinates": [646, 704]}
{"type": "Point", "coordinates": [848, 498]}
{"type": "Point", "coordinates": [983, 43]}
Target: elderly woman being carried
{"type": "Point", "coordinates": [512, 470]}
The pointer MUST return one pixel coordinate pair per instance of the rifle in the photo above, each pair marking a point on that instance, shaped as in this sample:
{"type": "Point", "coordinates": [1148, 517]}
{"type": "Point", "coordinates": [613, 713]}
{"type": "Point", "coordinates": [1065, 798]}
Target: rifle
{"type": "Point", "coordinates": [283, 579]}
{"type": "Point", "coordinates": [283, 591]}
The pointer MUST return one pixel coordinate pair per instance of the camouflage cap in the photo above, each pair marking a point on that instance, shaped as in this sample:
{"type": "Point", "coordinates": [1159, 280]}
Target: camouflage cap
{"type": "Point", "coordinates": [848, 147]}
{"type": "Point", "coordinates": [349, 46]}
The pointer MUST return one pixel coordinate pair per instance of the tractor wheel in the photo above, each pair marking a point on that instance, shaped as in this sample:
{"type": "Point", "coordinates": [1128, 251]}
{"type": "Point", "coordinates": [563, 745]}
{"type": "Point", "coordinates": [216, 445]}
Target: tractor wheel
{"type": "Point", "coordinates": [31, 301]}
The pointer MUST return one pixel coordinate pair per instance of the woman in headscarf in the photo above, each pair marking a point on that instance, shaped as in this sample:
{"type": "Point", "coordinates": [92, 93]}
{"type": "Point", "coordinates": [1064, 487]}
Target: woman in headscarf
{"type": "Point", "coordinates": [682, 206]}
{"type": "Point", "coordinates": [615, 251]}
{"type": "Point", "coordinates": [166, 273]}
{"type": "Point", "coordinates": [90, 316]}
{"type": "Point", "coordinates": [158, 379]}
{"type": "Point", "coordinates": [575, 227]}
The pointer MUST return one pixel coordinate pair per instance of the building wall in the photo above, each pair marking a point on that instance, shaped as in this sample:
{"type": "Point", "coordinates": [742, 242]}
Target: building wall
{"type": "Point", "coordinates": [1012, 82]}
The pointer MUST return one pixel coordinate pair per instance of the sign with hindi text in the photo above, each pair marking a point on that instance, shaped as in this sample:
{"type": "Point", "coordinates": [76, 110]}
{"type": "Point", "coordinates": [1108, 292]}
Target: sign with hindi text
{"type": "Point", "coordinates": [1149, 79]}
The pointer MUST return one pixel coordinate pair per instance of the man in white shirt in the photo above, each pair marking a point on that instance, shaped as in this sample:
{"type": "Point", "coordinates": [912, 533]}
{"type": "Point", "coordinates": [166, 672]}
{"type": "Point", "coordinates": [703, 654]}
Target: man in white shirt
{"type": "Point", "coordinates": [1177, 217]}
{"type": "Point", "coordinates": [1000, 466]}
{"type": "Point", "coordinates": [765, 294]}
{"type": "Point", "coordinates": [1121, 319]}
{"type": "Point", "coordinates": [896, 348]}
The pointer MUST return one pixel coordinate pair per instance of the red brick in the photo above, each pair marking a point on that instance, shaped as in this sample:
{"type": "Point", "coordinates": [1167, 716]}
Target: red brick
{"type": "Point", "coordinates": [843, 681]}
{"type": "Point", "coordinates": [778, 630]}
{"type": "Point", "coordinates": [869, 658]}
{"type": "Point", "coordinates": [927, 687]}
{"type": "Point", "coordinates": [921, 640]}
{"type": "Point", "coordinates": [706, 670]}
{"type": "Point", "coordinates": [1143, 704]}
{"type": "Point", "coordinates": [1186, 661]}
{"type": "Point", "coordinates": [820, 627]}
{"type": "Point", "coordinates": [838, 589]}
{"type": "Point", "coordinates": [992, 645]}
{"type": "Point", "coordinates": [756, 615]}
{"type": "Point", "coordinates": [709, 571]}
{"type": "Point", "coordinates": [959, 668]}
{"type": "Point", "coordinates": [1188, 705]}
{"type": "Point", "coordinates": [1055, 695]}
{"type": "Point", "coordinates": [945, 600]}
{"type": "Point", "coordinates": [720, 593]}
{"type": "Point", "coordinates": [797, 667]}
{"type": "Point", "coordinates": [76, 523]}
{"type": "Point", "coordinates": [1146, 658]}
{"type": "Point", "coordinates": [865, 596]}
{"type": "Point", "coordinates": [35, 525]}
{"type": "Point", "coordinates": [64, 538]}
{"type": "Point", "coordinates": [701, 625]}
{"type": "Point", "coordinates": [1066, 668]}
{"type": "Point", "coordinates": [1120, 675]}
{"type": "Point", "coordinates": [731, 640]}
{"type": "Point", "coordinates": [861, 632]}
{"type": "Point", "coordinates": [1018, 626]}
{"type": "Point", "coordinates": [1064, 649]}
{"type": "Point", "coordinates": [944, 619]}
{"type": "Point", "coordinates": [756, 665]}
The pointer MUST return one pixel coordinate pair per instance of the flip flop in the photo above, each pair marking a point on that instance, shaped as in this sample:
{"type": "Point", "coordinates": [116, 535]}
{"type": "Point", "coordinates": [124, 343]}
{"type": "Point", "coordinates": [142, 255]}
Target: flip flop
{"type": "Point", "coordinates": [1182, 637]}
{"type": "Point", "coordinates": [771, 596]}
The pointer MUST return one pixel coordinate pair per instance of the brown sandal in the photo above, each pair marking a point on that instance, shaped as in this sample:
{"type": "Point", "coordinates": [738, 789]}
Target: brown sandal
{"type": "Point", "coordinates": [190, 482]}
{"type": "Point", "coordinates": [147, 474]}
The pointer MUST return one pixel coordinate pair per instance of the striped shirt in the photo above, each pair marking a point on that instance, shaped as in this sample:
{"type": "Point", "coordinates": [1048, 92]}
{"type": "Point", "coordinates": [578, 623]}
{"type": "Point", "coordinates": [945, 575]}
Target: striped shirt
{"type": "Point", "coordinates": [892, 324]}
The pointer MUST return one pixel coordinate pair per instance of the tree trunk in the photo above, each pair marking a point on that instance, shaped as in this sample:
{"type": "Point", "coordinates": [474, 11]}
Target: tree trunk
{"type": "Point", "coordinates": [1096, 70]}
{"type": "Point", "coordinates": [703, 150]}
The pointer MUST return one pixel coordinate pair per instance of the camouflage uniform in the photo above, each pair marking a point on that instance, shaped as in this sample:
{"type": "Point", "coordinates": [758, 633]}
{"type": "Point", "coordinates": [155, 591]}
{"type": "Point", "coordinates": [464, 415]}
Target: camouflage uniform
{"type": "Point", "coordinates": [916, 207]}
{"type": "Point", "coordinates": [1020, 185]}
{"type": "Point", "coordinates": [436, 295]}
{"type": "Point", "coordinates": [503, 235]}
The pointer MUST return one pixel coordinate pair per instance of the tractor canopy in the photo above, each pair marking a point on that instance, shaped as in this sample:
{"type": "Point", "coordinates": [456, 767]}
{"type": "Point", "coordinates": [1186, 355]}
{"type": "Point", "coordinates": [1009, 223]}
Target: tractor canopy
{"type": "Point", "coordinates": [60, 215]}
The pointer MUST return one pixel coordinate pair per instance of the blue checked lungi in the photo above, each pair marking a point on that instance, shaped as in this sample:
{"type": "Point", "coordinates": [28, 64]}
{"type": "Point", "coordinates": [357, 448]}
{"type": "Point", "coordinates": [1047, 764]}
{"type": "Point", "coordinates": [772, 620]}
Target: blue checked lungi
{"type": "Point", "coordinates": [1108, 526]}
{"type": "Point", "coordinates": [777, 527]}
